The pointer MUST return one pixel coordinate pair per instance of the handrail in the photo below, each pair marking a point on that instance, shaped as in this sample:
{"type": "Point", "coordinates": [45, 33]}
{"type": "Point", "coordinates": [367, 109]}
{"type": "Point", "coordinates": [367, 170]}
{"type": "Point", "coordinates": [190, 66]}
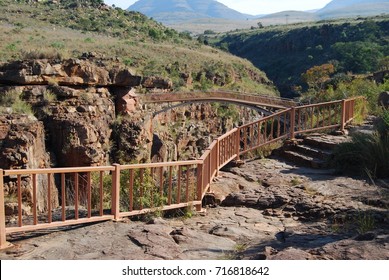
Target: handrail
{"type": "Point", "coordinates": [252, 99]}
{"type": "Point", "coordinates": [182, 183]}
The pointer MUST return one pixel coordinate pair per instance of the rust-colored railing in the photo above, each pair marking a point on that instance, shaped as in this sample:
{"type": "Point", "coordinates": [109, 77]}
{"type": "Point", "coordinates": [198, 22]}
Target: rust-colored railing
{"type": "Point", "coordinates": [245, 98]}
{"type": "Point", "coordinates": [264, 131]}
{"type": "Point", "coordinates": [91, 194]}
{"type": "Point", "coordinates": [76, 187]}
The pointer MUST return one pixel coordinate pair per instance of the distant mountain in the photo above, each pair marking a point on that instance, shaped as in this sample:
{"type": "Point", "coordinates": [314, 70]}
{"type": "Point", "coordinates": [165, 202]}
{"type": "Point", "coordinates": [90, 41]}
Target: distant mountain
{"type": "Point", "coordinates": [350, 8]}
{"type": "Point", "coordinates": [199, 15]}
{"type": "Point", "coordinates": [173, 11]}
{"type": "Point", "coordinates": [287, 17]}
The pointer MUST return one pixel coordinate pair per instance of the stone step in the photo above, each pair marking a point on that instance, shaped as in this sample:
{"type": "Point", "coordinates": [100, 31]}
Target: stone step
{"type": "Point", "coordinates": [304, 160]}
{"type": "Point", "coordinates": [323, 141]}
{"type": "Point", "coordinates": [310, 151]}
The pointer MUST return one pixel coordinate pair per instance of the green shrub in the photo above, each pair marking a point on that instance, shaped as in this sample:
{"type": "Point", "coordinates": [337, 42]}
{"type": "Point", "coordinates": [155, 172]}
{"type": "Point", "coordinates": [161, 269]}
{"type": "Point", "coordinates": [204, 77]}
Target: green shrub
{"type": "Point", "coordinates": [383, 123]}
{"type": "Point", "coordinates": [49, 96]}
{"type": "Point", "coordinates": [366, 153]}
{"type": "Point", "coordinates": [21, 107]}
{"type": "Point", "coordinates": [145, 190]}
{"type": "Point", "coordinates": [11, 99]}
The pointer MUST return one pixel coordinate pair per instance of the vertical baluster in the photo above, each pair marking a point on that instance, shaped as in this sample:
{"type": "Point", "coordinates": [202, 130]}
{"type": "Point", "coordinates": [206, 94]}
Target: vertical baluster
{"type": "Point", "coordinates": [179, 185]}
{"type": "Point", "coordinates": [170, 185]}
{"type": "Point", "coordinates": [245, 138]}
{"type": "Point", "coordinates": [19, 186]}
{"type": "Point", "coordinates": [221, 152]}
{"type": "Point", "coordinates": [161, 181]}
{"type": "Point", "coordinates": [3, 240]}
{"type": "Point", "coordinates": [279, 126]}
{"type": "Point", "coordinates": [312, 116]}
{"type": "Point", "coordinates": [152, 189]}
{"type": "Point", "coordinates": [76, 195]}
{"type": "Point", "coordinates": [34, 199]}
{"type": "Point", "coordinates": [187, 183]}
{"type": "Point", "coordinates": [251, 136]}
{"type": "Point", "coordinates": [89, 194]}
{"type": "Point", "coordinates": [271, 128]}
{"type": "Point", "coordinates": [141, 173]}
{"type": "Point", "coordinates": [49, 214]}
{"type": "Point", "coordinates": [299, 128]}
{"type": "Point", "coordinates": [258, 133]}
{"type": "Point", "coordinates": [131, 190]}
{"type": "Point", "coordinates": [101, 186]}
{"type": "Point", "coordinates": [63, 197]}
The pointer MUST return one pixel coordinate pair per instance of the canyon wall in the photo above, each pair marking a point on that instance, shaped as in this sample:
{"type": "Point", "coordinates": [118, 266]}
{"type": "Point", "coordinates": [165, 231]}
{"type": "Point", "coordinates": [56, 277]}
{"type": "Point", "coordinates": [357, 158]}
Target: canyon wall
{"type": "Point", "coordinates": [83, 113]}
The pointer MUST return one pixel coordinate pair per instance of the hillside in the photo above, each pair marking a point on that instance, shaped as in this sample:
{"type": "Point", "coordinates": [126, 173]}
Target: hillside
{"type": "Point", "coordinates": [352, 8]}
{"type": "Point", "coordinates": [174, 11]}
{"type": "Point", "coordinates": [197, 16]}
{"type": "Point", "coordinates": [285, 53]}
{"type": "Point", "coordinates": [71, 28]}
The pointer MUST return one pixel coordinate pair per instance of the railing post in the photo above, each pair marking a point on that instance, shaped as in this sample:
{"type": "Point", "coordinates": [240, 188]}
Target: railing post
{"type": "Point", "coordinates": [237, 144]}
{"type": "Point", "coordinates": [3, 240]}
{"type": "Point", "coordinates": [115, 207]}
{"type": "Point", "coordinates": [200, 167]}
{"type": "Point", "coordinates": [217, 157]}
{"type": "Point", "coordinates": [292, 123]}
{"type": "Point", "coordinates": [343, 117]}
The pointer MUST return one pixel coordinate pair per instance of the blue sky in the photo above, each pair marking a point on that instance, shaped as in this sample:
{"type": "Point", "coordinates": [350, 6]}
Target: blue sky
{"type": "Point", "coordinates": [253, 7]}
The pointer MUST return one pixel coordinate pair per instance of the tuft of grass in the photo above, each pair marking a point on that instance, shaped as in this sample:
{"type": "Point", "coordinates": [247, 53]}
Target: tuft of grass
{"type": "Point", "coordinates": [22, 107]}
{"type": "Point", "coordinates": [11, 99]}
{"type": "Point", "coordinates": [365, 222]}
{"type": "Point", "coordinates": [310, 191]}
{"type": "Point", "coordinates": [295, 181]}
{"type": "Point", "coordinates": [49, 96]}
{"type": "Point", "coordinates": [365, 152]}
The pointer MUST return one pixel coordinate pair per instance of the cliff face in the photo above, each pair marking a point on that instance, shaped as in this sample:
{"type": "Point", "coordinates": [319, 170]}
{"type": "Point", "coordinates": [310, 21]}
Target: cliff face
{"type": "Point", "coordinates": [22, 145]}
{"type": "Point", "coordinates": [185, 132]}
{"type": "Point", "coordinates": [73, 108]}
{"type": "Point", "coordinates": [84, 114]}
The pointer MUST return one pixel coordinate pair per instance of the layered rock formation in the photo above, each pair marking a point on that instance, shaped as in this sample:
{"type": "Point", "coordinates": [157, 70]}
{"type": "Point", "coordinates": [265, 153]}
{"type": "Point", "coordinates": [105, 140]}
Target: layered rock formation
{"type": "Point", "coordinates": [73, 103]}
{"type": "Point", "coordinates": [85, 113]}
{"type": "Point", "coordinates": [22, 145]}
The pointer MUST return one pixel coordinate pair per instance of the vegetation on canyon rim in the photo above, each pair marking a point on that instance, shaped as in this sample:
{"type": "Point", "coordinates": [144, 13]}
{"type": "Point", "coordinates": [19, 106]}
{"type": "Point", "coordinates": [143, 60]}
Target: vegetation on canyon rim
{"type": "Point", "coordinates": [71, 28]}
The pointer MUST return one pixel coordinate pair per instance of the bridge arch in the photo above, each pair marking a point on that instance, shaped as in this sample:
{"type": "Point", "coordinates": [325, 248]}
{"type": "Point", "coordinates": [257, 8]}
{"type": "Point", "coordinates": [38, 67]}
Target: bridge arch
{"type": "Point", "coordinates": [170, 106]}
{"type": "Point", "coordinates": [263, 104]}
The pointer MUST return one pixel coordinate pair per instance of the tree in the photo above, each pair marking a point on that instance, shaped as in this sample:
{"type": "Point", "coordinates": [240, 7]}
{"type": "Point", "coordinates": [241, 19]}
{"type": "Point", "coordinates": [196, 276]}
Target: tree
{"type": "Point", "coordinates": [384, 63]}
{"type": "Point", "coordinates": [358, 57]}
{"type": "Point", "coordinates": [317, 76]}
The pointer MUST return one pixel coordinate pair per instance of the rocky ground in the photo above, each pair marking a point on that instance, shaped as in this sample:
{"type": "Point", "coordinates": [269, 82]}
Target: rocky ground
{"type": "Point", "coordinates": [269, 210]}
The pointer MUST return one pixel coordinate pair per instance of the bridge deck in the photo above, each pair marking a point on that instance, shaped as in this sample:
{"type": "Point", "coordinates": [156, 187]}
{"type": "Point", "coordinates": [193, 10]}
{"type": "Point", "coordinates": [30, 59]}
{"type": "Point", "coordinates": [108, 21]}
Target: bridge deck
{"type": "Point", "coordinates": [233, 97]}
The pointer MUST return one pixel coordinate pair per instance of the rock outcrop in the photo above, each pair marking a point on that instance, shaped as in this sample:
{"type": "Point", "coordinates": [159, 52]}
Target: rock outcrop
{"type": "Point", "coordinates": [22, 145]}
{"type": "Point", "coordinates": [72, 72]}
{"type": "Point", "coordinates": [383, 99]}
{"type": "Point", "coordinates": [73, 107]}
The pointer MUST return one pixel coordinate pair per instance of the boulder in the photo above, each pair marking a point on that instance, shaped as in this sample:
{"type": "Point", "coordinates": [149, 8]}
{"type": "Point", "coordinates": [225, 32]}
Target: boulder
{"type": "Point", "coordinates": [157, 82]}
{"type": "Point", "coordinates": [383, 99]}
{"type": "Point", "coordinates": [124, 77]}
{"type": "Point", "coordinates": [125, 101]}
